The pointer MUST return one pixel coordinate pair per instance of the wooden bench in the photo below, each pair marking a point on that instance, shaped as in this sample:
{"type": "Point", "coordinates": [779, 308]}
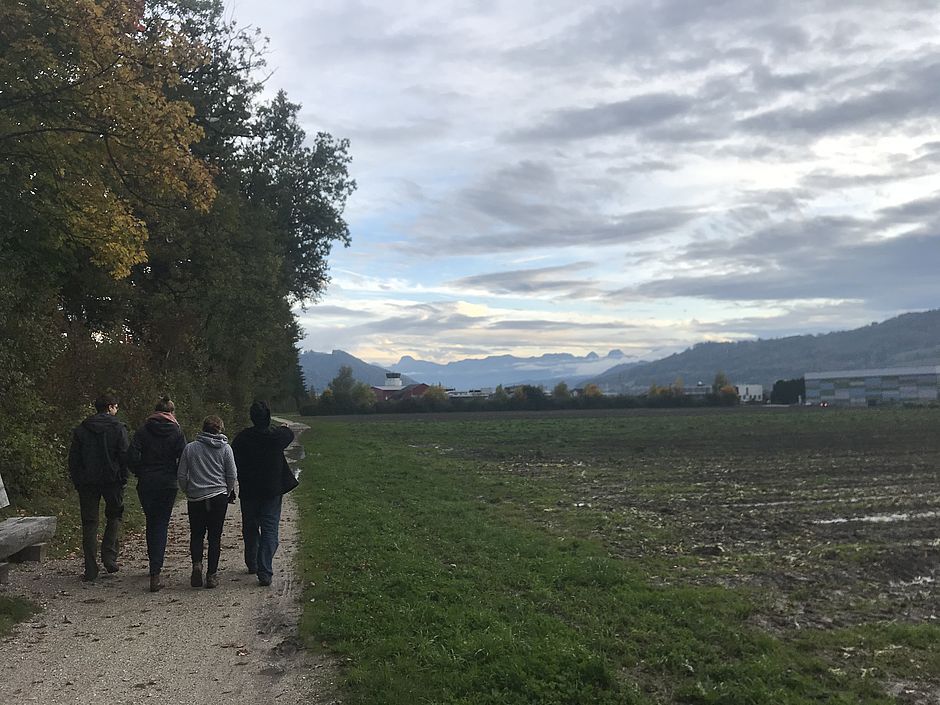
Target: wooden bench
{"type": "Point", "coordinates": [24, 539]}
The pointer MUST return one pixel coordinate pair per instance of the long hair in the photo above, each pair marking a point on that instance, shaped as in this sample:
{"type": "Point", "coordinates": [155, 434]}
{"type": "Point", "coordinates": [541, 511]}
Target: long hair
{"type": "Point", "coordinates": [213, 424]}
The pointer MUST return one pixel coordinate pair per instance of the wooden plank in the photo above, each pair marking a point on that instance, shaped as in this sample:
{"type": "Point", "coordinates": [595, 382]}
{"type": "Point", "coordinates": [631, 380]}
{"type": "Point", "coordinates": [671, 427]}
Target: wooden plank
{"type": "Point", "coordinates": [19, 532]}
{"type": "Point", "coordinates": [33, 554]}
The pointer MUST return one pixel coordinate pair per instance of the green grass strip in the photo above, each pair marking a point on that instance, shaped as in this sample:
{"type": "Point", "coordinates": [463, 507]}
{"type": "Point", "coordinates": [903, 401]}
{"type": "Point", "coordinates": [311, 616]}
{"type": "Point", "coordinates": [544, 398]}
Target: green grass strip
{"type": "Point", "coordinates": [13, 610]}
{"type": "Point", "coordinates": [436, 595]}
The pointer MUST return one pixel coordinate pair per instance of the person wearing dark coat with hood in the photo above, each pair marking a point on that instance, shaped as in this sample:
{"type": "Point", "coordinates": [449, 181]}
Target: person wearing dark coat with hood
{"type": "Point", "coordinates": [98, 469]}
{"type": "Point", "coordinates": [153, 457]}
{"type": "Point", "coordinates": [259, 456]}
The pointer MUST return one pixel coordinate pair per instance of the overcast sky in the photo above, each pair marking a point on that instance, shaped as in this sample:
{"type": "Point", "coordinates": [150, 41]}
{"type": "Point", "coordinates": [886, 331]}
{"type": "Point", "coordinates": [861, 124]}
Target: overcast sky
{"type": "Point", "coordinates": [560, 176]}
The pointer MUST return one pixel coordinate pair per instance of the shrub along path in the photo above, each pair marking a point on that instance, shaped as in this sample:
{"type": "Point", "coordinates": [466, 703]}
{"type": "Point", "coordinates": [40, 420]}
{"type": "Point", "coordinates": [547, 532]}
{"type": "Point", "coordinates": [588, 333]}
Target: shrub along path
{"type": "Point", "coordinates": [116, 641]}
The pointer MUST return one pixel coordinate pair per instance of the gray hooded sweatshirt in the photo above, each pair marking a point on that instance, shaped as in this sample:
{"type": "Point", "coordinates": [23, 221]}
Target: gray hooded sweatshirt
{"type": "Point", "coordinates": [207, 467]}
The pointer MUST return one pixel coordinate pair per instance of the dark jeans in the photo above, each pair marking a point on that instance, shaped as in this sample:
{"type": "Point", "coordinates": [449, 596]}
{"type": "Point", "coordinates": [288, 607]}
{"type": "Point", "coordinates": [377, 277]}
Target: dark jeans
{"type": "Point", "coordinates": [207, 516]}
{"type": "Point", "coordinates": [89, 502]}
{"type": "Point", "coordinates": [158, 506]}
{"type": "Point", "coordinates": [260, 520]}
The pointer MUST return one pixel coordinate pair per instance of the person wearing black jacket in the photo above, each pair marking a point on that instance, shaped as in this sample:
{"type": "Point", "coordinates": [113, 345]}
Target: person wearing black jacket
{"type": "Point", "coordinates": [259, 457]}
{"type": "Point", "coordinates": [98, 469]}
{"type": "Point", "coordinates": [153, 457]}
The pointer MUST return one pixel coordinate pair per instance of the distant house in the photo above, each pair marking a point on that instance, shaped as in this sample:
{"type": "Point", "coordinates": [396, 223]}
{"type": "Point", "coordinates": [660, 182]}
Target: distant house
{"type": "Point", "coordinates": [469, 393]}
{"type": "Point", "coordinates": [919, 385]}
{"type": "Point", "coordinates": [699, 390]}
{"type": "Point", "coordinates": [746, 392]}
{"type": "Point", "coordinates": [394, 390]}
{"type": "Point", "coordinates": [750, 392]}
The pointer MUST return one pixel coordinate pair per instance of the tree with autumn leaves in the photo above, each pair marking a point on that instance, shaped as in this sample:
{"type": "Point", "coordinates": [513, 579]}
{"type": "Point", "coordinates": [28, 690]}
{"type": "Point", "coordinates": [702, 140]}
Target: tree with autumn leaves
{"type": "Point", "coordinates": [158, 220]}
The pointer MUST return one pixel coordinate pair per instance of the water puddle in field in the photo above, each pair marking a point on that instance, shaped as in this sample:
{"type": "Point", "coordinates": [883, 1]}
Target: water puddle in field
{"type": "Point", "coordinates": [919, 581]}
{"type": "Point", "coordinates": [295, 452]}
{"type": "Point", "coordinates": [831, 496]}
{"type": "Point", "coordinates": [881, 518]}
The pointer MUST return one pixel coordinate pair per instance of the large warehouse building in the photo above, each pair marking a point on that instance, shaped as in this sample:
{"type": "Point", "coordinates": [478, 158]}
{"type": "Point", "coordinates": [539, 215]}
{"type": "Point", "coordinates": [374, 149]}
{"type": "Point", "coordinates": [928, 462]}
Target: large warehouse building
{"type": "Point", "coordinates": [919, 385]}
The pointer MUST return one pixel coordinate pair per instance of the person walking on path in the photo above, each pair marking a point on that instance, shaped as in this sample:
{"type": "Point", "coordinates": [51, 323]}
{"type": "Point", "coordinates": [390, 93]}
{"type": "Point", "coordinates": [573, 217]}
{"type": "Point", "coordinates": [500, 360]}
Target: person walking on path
{"type": "Point", "coordinates": [154, 457]}
{"type": "Point", "coordinates": [207, 475]}
{"type": "Point", "coordinates": [259, 455]}
{"type": "Point", "coordinates": [98, 469]}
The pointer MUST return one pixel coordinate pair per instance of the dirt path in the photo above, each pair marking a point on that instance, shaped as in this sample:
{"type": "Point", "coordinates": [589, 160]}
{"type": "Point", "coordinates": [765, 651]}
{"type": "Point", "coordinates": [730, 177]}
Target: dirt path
{"type": "Point", "coordinates": [115, 641]}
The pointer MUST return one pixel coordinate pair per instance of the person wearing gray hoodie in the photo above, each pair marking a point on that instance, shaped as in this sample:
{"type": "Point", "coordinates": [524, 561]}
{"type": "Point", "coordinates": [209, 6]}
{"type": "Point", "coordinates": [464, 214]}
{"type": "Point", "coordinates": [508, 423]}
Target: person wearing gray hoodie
{"type": "Point", "coordinates": [207, 475]}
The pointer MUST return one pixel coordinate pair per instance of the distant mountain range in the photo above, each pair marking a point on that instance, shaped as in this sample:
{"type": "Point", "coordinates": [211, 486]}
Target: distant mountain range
{"type": "Point", "coordinates": [909, 340]}
{"type": "Point", "coordinates": [546, 370]}
{"type": "Point", "coordinates": [321, 368]}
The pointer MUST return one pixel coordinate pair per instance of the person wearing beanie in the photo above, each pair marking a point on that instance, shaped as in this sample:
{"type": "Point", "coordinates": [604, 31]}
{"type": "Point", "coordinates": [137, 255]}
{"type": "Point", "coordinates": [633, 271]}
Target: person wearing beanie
{"type": "Point", "coordinates": [259, 455]}
{"type": "Point", "coordinates": [154, 457]}
{"type": "Point", "coordinates": [207, 475]}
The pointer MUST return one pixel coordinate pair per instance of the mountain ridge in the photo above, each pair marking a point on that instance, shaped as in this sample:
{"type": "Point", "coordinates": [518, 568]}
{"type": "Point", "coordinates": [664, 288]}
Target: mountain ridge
{"type": "Point", "coordinates": [487, 372]}
{"type": "Point", "coordinates": [907, 340]}
{"type": "Point", "coordinates": [320, 368]}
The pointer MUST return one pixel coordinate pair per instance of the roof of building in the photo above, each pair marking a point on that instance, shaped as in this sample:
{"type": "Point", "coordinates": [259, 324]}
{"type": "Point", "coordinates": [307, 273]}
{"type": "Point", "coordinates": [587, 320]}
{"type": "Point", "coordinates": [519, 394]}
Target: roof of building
{"type": "Point", "coordinates": [882, 372]}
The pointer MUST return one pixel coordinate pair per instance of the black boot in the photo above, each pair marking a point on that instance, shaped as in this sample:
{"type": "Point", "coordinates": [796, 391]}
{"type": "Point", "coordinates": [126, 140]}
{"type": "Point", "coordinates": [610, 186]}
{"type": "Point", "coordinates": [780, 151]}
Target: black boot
{"type": "Point", "coordinates": [155, 583]}
{"type": "Point", "coordinates": [196, 578]}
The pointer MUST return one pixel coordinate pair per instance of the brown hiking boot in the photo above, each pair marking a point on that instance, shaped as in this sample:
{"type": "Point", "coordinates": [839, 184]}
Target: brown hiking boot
{"type": "Point", "coordinates": [212, 580]}
{"type": "Point", "coordinates": [196, 578]}
{"type": "Point", "coordinates": [155, 583]}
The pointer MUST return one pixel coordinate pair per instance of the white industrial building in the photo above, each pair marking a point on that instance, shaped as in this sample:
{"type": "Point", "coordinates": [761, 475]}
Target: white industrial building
{"type": "Point", "coordinates": [750, 392]}
{"type": "Point", "coordinates": [918, 385]}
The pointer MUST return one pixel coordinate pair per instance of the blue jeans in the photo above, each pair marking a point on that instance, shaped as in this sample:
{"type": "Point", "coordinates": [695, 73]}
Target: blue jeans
{"type": "Point", "coordinates": [158, 506]}
{"type": "Point", "coordinates": [260, 519]}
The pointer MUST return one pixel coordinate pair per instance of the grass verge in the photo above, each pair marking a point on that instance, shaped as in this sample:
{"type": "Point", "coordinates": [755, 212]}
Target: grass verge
{"type": "Point", "coordinates": [68, 535]}
{"type": "Point", "coordinates": [13, 610]}
{"type": "Point", "coordinates": [435, 591]}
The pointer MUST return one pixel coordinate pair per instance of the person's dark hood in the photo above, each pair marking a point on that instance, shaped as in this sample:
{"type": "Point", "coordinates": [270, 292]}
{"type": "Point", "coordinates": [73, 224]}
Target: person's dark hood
{"type": "Point", "coordinates": [260, 414]}
{"type": "Point", "coordinates": [263, 434]}
{"type": "Point", "coordinates": [101, 423]}
{"type": "Point", "coordinates": [162, 423]}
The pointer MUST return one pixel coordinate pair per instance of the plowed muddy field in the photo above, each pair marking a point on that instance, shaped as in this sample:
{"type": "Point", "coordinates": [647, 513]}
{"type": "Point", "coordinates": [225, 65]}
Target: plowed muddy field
{"type": "Point", "coordinates": [828, 518]}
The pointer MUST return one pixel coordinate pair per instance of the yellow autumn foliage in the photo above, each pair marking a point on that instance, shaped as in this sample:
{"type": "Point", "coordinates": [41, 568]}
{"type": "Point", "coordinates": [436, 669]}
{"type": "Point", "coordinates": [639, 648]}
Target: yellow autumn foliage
{"type": "Point", "coordinates": [90, 142]}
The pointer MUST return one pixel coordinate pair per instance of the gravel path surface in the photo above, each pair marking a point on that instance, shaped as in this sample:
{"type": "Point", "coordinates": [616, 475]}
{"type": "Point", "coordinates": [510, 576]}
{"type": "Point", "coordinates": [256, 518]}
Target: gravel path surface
{"type": "Point", "coordinates": [114, 641]}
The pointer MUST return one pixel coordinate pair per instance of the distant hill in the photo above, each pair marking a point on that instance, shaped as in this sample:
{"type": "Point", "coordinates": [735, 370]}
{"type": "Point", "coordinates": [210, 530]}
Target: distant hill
{"type": "Point", "coordinates": [905, 341]}
{"type": "Point", "coordinates": [488, 372]}
{"type": "Point", "coordinates": [320, 369]}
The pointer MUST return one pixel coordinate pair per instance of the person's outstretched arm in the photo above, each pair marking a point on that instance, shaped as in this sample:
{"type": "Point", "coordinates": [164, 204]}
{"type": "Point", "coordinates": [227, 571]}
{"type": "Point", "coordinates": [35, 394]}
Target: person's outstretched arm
{"type": "Point", "coordinates": [284, 436]}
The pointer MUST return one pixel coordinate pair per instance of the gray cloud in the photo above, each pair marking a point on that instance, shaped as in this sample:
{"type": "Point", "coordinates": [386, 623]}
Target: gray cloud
{"type": "Point", "coordinates": [800, 319]}
{"type": "Point", "coordinates": [529, 281]}
{"type": "Point", "coordinates": [526, 206]}
{"type": "Point", "coordinates": [546, 325]}
{"type": "Point", "coordinates": [606, 119]}
{"type": "Point", "coordinates": [901, 91]}
{"type": "Point", "coordinates": [754, 148]}
{"type": "Point", "coordinates": [893, 274]}
{"type": "Point", "coordinates": [917, 211]}
{"type": "Point", "coordinates": [583, 231]}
